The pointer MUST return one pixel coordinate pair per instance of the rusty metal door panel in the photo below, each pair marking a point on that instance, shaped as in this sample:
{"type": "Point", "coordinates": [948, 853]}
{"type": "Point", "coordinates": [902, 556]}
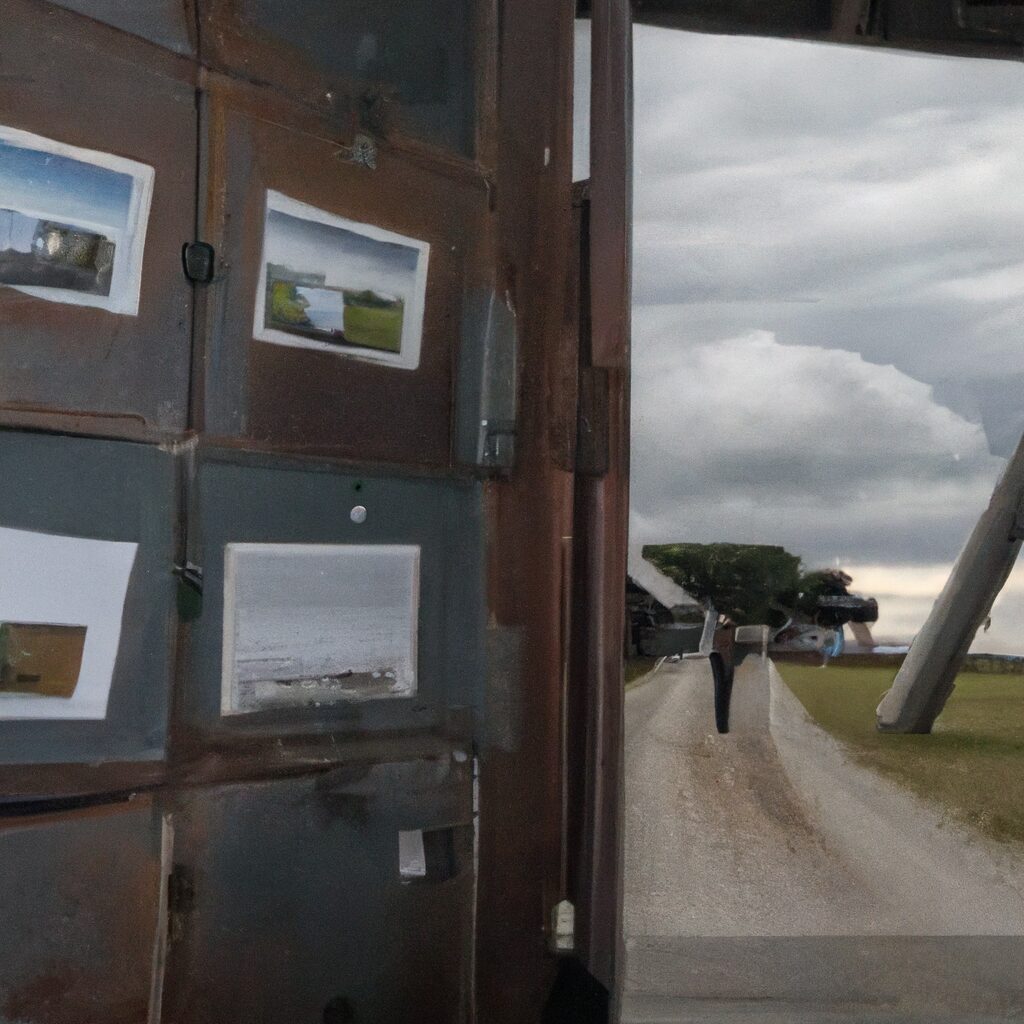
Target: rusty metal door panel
{"type": "Point", "coordinates": [256, 499]}
{"type": "Point", "coordinates": [168, 23]}
{"type": "Point", "coordinates": [301, 399]}
{"type": "Point", "coordinates": [379, 65]}
{"type": "Point", "coordinates": [99, 491]}
{"type": "Point", "coordinates": [295, 908]}
{"type": "Point", "coordinates": [72, 81]}
{"type": "Point", "coordinates": [80, 905]}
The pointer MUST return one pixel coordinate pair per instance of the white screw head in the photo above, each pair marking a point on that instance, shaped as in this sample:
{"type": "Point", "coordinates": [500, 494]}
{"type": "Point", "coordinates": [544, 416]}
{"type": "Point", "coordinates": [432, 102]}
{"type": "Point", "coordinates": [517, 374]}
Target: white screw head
{"type": "Point", "coordinates": [358, 514]}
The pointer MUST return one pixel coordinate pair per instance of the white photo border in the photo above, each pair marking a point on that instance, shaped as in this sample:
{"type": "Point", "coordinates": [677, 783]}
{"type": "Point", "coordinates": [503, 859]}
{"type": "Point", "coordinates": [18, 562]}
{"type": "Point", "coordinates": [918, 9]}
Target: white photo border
{"type": "Point", "coordinates": [126, 280]}
{"type": "Point", "coordinates": [415, 312]}
{"type": "Point", "coordinates": [233, 550]}
{"type": "Point", "coordinates": [54, 579]}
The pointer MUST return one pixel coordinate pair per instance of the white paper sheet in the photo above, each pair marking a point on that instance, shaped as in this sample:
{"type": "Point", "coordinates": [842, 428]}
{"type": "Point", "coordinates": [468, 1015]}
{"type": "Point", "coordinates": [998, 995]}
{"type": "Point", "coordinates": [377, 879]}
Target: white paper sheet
{"type": "Point", "coordinates": [47, 578]}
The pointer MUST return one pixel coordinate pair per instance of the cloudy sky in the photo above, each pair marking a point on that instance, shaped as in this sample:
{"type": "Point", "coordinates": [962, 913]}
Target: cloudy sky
{"type": "Point", "coordinates": [829, 289]}
{"type": "Point", "coordinates": [46, 184]}
{"type": "Point", "coordinates": [348, 259]}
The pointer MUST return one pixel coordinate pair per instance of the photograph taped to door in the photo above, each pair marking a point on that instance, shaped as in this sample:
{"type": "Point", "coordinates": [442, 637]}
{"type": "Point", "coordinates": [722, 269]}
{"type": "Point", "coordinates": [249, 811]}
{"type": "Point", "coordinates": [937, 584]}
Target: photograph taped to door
{"type": "Point", "coordinates": [336, 285]}
{"type": "Point", "coordinates": [72, 222]}
{"type": "Point", "coordinates": [61, 606]}
{"type": "Point", "coordinates": [310, 625]}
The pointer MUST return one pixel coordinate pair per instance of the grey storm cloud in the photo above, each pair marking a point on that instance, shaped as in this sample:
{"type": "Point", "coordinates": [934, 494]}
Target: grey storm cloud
{"type": "Point", "coordinates": [829, 289]}
{"type": "Point", "coordinates": [817, 449]}
{"type": "Point", "coordinates": [839, 198]}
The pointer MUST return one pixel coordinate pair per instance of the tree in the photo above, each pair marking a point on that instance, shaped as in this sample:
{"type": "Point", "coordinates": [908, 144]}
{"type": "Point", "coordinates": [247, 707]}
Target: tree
{"type": "Point", "coordinates": [751, 583]}
{"type": "Point", "coordinates": [287, 306]}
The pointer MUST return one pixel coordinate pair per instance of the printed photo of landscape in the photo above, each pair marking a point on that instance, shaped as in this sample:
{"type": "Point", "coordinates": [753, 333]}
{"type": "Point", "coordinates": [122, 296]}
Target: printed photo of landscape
{"type": "Point", "coordinates": [62, 603]}
{"type": "Point", "coordinates": [340, 284]}
{"type": "Point", "coordinates": [70, 229]}
{"type": "Point", "coordinates": [48, 254]}
{"type": "Point", "coordinates": [310, 625]}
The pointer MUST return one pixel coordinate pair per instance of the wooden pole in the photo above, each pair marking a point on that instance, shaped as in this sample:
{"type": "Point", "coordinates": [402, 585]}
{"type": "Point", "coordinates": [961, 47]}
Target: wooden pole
{"type": "Point", "coordinates": [926, 678]}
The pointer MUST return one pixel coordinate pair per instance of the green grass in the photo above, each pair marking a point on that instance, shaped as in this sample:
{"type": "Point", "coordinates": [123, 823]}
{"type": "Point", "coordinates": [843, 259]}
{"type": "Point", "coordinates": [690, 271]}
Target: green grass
{"type": "Point", "coordinates": [973, 762]}
{"type": "Point", "coordinates": [637, 667]}
{"type": "Point", "coordinates": [374, 327]}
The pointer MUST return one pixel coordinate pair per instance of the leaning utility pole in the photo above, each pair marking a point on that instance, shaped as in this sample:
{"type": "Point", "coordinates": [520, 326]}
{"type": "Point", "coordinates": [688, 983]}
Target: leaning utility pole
{"type": "Point", "coordinates": [925, 681]}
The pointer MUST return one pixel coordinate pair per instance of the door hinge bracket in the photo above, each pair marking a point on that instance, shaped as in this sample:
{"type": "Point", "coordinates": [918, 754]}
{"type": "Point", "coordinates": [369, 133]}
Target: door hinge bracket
{"type": "Point", "coordinates": [593, 422]}
{"type": "Point", "coordinates": [563, 927]}
{"type": "Point", "coordinates": [486, 395]}
{"type": "Point", "coordinates": [181, 898]}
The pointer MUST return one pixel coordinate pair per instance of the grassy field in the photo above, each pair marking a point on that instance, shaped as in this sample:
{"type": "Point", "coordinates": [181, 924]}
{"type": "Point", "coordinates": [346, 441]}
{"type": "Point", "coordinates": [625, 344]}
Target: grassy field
{"type": "Point", "coordinates": [374, 327]}
{"type": "Point", "coordinates": [973, 762]}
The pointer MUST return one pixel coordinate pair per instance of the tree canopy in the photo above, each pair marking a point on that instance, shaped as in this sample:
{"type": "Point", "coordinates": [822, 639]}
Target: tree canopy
{"type": "Point", "coordinates": [751, 583]}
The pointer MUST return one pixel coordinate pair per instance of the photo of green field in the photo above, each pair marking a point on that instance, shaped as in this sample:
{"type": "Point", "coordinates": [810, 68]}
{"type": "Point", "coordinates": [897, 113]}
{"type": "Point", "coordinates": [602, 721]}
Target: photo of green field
{"type": "Point", "coordinates": [374, 325]}
{"type": "Point", "coordinates": [338, 287]}
{"type": "Point", "coordinates": [302, 304]}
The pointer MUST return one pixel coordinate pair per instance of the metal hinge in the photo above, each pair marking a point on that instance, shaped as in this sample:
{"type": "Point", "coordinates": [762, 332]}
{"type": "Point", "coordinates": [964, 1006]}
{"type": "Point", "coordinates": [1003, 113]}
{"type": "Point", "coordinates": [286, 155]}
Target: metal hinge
{"type": "Point", "coordinates": [593, 422]}
{"type": "Point", "coordinates": [563, 927]}
{"type": "Point", "coordinates": [198, 260]}
{"type": "Point", "coordinates": [181, 900]}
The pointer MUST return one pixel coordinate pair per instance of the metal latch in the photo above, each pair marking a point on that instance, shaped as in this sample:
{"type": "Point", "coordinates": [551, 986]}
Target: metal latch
{"type": "Point", "coordinates": [498, 442]}
{"type": "Point", "coordinates": [198, 260]}
{"type": "Point", "coordinates": [486, 398]}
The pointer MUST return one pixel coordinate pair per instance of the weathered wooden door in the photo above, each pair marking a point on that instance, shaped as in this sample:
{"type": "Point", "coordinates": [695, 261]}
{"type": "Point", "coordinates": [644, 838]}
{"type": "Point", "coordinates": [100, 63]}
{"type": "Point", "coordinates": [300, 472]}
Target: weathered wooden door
{"type": "Point", "coordinates": [95, 352]}
{"type": "Point", "coordinates": [323, 828]}
{"type": "Point", "coordinates": [288, 417]}
{"type": "Point", "coordinates": [242, 600]}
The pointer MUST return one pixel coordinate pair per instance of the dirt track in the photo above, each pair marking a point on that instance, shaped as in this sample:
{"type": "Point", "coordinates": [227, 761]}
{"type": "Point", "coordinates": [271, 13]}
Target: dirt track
{"type": "Point", "coordinates": [759, 862]}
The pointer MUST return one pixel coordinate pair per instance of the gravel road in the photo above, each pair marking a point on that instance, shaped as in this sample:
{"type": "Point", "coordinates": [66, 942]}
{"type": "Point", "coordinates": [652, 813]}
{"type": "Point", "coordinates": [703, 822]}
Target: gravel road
{"type": "Point", "coordinates": [769, 878]}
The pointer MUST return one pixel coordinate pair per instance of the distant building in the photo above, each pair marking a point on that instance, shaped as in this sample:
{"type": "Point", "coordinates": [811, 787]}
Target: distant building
{"type": "Point", "coordinates": [661, 618]}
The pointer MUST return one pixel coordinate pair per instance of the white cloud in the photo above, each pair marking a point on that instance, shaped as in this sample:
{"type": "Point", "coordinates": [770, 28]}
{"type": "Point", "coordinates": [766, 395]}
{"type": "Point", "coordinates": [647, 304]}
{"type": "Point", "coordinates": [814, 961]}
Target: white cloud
{"type": "Point", "coordinates": [906, 593]}
{"type": "Point", "coordinates": [818, 449]}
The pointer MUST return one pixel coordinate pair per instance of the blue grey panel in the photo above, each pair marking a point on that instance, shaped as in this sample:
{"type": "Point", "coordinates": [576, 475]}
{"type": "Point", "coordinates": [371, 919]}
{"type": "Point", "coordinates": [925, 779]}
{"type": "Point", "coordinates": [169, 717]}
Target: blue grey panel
{"type": "Point", "coordinates": [298, 912]}
{"type": "Point", "coordinates": [164, 22]}
{"type": "Point", "coordinates": [251, 499]}
{"type": "Point", "coordinates": [78, 902]}
{"type": "Point", "coordinates": [103, 490]}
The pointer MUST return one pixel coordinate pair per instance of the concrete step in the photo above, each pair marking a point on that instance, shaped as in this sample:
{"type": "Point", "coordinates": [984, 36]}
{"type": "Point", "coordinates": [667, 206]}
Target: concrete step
{"type": "Point", "coordinates": [824, 978]}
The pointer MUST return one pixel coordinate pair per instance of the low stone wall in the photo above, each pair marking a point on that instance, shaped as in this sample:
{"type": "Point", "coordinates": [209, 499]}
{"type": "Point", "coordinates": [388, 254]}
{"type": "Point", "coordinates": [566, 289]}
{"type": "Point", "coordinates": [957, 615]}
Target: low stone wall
{"type": "Point", "coordinates": [1001, 664]}
{"type": "Point", "coordinates": [993, 664]}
